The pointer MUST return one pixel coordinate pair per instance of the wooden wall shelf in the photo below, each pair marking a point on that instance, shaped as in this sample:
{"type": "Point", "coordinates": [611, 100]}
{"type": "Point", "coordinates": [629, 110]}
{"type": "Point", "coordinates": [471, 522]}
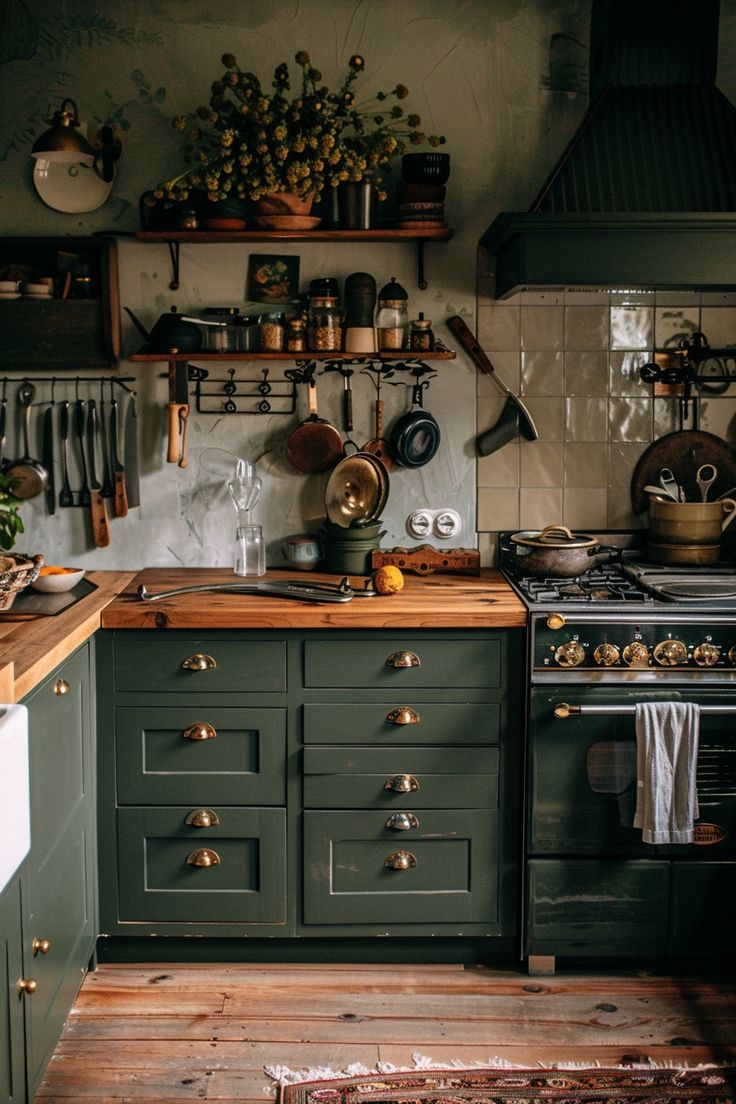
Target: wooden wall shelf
{"type": "Point", "coordinates": [408, 355]}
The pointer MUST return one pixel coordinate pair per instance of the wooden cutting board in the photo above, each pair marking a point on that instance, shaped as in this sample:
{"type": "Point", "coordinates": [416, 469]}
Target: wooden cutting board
{"type": "Point", "coordinates": [683, 452]}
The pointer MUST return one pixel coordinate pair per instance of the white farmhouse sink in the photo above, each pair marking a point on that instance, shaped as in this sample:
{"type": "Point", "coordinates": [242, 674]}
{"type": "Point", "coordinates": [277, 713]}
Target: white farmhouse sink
{"type": "Point", "coordinates": [15, 794]}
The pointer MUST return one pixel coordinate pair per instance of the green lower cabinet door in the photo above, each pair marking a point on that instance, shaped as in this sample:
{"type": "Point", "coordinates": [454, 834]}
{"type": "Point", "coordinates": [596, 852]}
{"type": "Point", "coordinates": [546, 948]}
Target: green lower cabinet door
{"type": "Point", "coordinates": [701, 919]}
{"type": "Point", "coordinates": [402, 661]}
{"type": "Point", "coordinates": [402, 718]}
{"type": "Point", "coordinates": [12, 1043]}
{"type": "Point", "coordinates": [361, 867]}
{"type": "Point", "coordinates": [597, 907]}
{"type": "Point", "coordinates": [435, 777]}
{"type": "Point", "coordinates": [176, 867]}
{"type": "Point", "coordinates": [215, 754]}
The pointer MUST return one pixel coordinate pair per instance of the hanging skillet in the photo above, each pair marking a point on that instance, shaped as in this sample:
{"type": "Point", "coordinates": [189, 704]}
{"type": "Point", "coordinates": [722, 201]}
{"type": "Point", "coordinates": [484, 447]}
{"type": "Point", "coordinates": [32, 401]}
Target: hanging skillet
{"type": "Point", "coordinates": [315, 445]}
{"type": "Point", "coordinates": [415, 437]}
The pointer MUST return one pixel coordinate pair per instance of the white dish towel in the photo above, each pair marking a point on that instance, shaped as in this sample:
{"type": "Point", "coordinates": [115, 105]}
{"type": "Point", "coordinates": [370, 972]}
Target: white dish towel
{"type": "Point", "coordinates": [666, 761]}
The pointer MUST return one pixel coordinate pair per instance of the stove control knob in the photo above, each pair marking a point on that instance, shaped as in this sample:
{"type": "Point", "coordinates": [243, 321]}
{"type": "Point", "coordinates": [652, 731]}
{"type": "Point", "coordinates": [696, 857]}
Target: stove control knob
{"type": "Point", "coordinates": [636, 654]}
{"type": "Point", "coordinates": [555, 620]}
{"type": "Point", "coordinates": [732, 656]}
{"type": "Point", "coordinates": [570, 654]}
{"type": "Point", "coordinates": [606, 655]}
{"type": "Point", "coordinates": [670, 653]}
{"type": "Point", "coordinates": [706, 655]}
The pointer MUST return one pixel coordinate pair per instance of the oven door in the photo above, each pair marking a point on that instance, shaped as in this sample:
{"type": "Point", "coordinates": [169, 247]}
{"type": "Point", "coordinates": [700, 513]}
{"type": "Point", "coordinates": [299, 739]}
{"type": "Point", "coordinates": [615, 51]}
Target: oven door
{"type": "Point", "coordinates": [582, 776]}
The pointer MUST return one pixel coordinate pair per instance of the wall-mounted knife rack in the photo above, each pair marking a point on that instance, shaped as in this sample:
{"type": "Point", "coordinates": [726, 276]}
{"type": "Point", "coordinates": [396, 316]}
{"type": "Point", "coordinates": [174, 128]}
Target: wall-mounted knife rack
{"type": "Point", "coordinates": [70, 381]}
{"type": "Point", "coordinates": [248, 395]}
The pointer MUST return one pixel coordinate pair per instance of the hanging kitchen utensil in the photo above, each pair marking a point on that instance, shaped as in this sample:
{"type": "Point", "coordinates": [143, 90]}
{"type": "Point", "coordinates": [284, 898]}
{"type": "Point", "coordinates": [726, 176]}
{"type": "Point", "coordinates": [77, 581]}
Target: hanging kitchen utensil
{"type": "Point", "coordinates": [514, 420]}
{"type": "Point", "coordinates": [80, 425]}
{"type": "Point", "coordinates": [108, 484]}
{"type": "Point", "coordinates": [3, 422]}
{"type": "Point", "coordinates": [66, 496]}
{"type": "Point", "coordinates": [97, 505]}
{"type": "Point", "coordinates": [353, 491]}
{"type": "Point", "coordinates": [315, 445]}
{"type": "Point", "coordinates": [120, 498]}
{"type": "Point", "coordinates": [670, 486]}
{"type": "Point", "coordinates": [31, 477]}
{"type": "Point", "coordinates": [130, 454]}
{"type": "Point", "coordinates": [659, 492]}
{"type": "Point", "coordinates": [378, 445]}
{"type": "Point", "coordinates": [683, 452]}
{"type": "Point", "coordinates": [415, 436]}
{"type": "Point", "coordinates": [347, 401]}
{"type": "Point", "coordinates": [47, 452]}
{"type": "Point", "coordinates": [705, 477]}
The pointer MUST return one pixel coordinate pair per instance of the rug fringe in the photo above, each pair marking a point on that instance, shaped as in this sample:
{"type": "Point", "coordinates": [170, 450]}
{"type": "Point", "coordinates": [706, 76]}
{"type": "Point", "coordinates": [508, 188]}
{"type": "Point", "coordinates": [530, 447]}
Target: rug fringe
{"type": "Point", "coordinates": [283, 1075]}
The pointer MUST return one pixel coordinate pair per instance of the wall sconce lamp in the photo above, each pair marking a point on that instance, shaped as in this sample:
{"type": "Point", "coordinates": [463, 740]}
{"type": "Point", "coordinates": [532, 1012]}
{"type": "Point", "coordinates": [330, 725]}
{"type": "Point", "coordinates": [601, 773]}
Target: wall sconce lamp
{"type": "Point", "coordinates": [65, 149]}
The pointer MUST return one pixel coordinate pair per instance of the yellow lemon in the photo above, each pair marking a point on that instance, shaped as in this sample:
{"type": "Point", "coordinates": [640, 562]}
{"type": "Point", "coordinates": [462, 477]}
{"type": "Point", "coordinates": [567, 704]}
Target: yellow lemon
{"type": "Point", "coordinates": [388, 580]}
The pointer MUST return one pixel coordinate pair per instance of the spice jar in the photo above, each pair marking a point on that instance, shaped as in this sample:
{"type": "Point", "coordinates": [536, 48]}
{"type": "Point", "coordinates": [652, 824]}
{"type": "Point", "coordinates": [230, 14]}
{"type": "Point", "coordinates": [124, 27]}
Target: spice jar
{"type": "Point", "coordinates": [421, 338]}
{"type": "Point", "coordinates": [221, 338]}
{"type": "Point", "coordinates": [324, 319]}
{"type": "Point", "coordinates": [272, 333]}
{"type": "Point", "coordinates": [296, 335]}
{"type": "Point", "coordinates": [392, 318]}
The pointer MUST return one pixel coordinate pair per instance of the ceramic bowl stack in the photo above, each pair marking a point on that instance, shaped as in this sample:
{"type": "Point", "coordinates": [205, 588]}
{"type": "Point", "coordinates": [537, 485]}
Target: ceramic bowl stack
{"type": "Point", "coordinates": [421, 191]}
{"type": "Point", "coordinates": [37, 291]}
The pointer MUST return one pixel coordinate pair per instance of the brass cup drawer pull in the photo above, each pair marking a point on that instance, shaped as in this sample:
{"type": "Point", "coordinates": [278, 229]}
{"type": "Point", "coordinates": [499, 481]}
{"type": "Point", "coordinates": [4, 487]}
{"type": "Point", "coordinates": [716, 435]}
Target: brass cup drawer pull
{"type": "Point", "coordinates": [202, 818]}
{"type": "Point", "coordinates": [203, 857]}
{"type": "Point", "coordinates": [27, 985]}
{"type": "Point", "coordinates": [199, 662]}
{"type": "Point", "coordinates": [40, 946]}
{"type": "Point", "coordinates": [402, 822]}
{"type": "Point", "coordinates": [61, 686]}
{"type": "Point", "coordinates": [403, 659]}
{"type": "Point", "coordinates": [402, 783]}
{"type": "Point", "coordinates": [200, 731]}
{"type": "Point", "coordinates": [400, 860]}
{"type": "Point", "coordinates": [403, 715]}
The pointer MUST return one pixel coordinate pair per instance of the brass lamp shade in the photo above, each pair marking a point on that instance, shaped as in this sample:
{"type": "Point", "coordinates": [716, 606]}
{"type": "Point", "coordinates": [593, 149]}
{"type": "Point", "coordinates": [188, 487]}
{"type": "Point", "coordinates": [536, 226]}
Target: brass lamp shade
{"type": "Point", "coordinates": [63, 142]}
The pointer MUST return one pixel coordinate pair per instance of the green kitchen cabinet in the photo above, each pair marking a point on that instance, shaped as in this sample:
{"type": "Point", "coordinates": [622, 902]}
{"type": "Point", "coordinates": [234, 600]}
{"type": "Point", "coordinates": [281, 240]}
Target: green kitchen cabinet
{"type": "Point", "coordinates": [294, 764]}
{"type": "Point", "coordinates": [12, 1036]}
{"type": "Point", "coordinates": [59, 874]}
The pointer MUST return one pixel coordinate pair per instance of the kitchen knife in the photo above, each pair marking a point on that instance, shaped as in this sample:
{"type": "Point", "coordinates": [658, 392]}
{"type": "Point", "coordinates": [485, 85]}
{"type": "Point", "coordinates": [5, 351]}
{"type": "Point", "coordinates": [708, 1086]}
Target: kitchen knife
{"type": "Point", "coordinates": [66, 497]}
{"type": "Point", "coordinates": [3, 417]}
{"type": "Point", "coordinates": [98, 507]}
{"type": "Point", "coordinates": [80, 423]}
{"type": "Point", "coordinates": [47, 457]}
{"type": "Point", "coordinates": [120, 500]}
{"type": "Point", "coordinates": [178, 407]}
{"type": "Point", "coordinates": [130, 454]}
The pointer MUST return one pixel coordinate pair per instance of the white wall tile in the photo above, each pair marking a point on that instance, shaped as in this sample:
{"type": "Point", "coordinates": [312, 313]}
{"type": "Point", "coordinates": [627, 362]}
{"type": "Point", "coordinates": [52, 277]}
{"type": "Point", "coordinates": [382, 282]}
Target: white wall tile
{"type": "Point", "coordinates": [585, 509]}
{"type": "Point", "coordinates": [585, 465]}
{"type": "Point", "coordinates": [542, 327]}
{"type": "Point", "coordinates": [541, 373]}
{"type": "Point", "coordinates": [498, 326]}
{"type": "Point", "coordinates": [586, 419]}
{"type": "Point", "coordinates": [539, 508]}
{"type": "Point", "coordinates": [587, 327]}
{"type": "Point", "coordinates": [541, 465]}
{"type": "Point", "coordinates": [498, 509]}
{"type": "Point", "coordinates": [586, 373]}
{"type": "Point", "coordinates": [632, 327]}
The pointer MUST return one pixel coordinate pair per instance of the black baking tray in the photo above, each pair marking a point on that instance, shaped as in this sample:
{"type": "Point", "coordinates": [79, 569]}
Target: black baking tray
{"type": "Point", "coordinates": [31, 603]}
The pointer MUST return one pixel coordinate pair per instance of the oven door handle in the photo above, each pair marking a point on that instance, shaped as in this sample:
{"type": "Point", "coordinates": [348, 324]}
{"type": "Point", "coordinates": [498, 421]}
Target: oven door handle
{"type": "Point", "coordinates": [564, 710]}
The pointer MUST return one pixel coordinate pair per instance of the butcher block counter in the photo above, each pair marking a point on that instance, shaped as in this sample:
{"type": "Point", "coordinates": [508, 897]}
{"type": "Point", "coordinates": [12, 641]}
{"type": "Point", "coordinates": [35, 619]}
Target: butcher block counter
{"type": "Point", "coordinates": [426, 602]}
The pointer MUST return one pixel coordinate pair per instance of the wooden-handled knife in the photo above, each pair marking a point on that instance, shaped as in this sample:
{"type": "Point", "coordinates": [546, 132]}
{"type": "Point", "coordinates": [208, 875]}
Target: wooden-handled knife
{"type": "Point", "coordinates": [178, 408]}
{"type": "Point", "coordinates": [120, 498]}
{"type": "Point", "coordinates": [97, 504]}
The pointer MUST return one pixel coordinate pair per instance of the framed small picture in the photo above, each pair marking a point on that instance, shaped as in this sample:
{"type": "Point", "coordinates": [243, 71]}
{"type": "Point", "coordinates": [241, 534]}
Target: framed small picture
{"type": "Point", "coordinates": [272, 279]}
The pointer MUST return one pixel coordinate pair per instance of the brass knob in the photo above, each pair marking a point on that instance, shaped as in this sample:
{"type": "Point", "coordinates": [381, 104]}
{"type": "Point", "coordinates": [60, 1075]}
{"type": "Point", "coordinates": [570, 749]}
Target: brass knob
{"type": "Point", "coordinates": [41, 946]}
{"type": "Point", "coordinates": [562, 711]}
{"type": "Point", "coordinates": [400, 860]}
{"type": "Point", "coordinates": [200, 731]}
{"type": "Point", "coordinates": [199, 662]}
{"type": "Point", "coordinates": [27, 985]}
{"type": "Point", "coordinates": [402, 822]}
{"type": "Point", "coordinates": [732, 656]}
{"type": "Point", "coordinates": [555, 620]}
{"type": "Point", "coordinates": [670, 653]}
{"type": "Point", "coordinates": [606, 655]}
{"type": "Point", "coordinates": [403, 659]}
{"type": "Point", "coordinates": [61, 686]}
{"type": "Point", "coordinates": [706, 655]}
{"type": "Point", "coordinates": [636, 654]}
{"type": "Point", "coordinates": [202, 818]}
{"type": "Point", "coordinates": [570, 654]}
{"type": "Point", "coordinates": [403, 715]}
{"type": "Point", "coordinates": [402, 783]}
{"type": "Point", "coordinates": [203, 857]}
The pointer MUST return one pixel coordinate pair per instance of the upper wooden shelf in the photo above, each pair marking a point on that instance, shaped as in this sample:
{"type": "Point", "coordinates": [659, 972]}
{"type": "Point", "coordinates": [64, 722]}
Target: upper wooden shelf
{"type": "Point", "coordinates": [407, 354]}
{"type": "Point", "coordinates": [379, 234]}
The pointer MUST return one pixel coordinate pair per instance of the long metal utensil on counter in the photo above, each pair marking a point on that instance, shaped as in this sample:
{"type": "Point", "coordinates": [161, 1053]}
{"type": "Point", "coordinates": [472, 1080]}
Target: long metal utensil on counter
{"type": "Point", "coordinates": [281, 588]}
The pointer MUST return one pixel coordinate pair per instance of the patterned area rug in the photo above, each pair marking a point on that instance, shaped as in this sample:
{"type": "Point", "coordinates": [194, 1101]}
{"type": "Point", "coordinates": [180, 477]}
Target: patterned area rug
{"type": "Point", "coordinates": [707, 1085]}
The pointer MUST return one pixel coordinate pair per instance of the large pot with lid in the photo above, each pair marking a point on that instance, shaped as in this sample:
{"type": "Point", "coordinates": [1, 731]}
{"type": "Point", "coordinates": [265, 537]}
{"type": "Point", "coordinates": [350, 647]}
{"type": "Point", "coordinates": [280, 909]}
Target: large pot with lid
{"type": "Point", "coordinates": [555, 552]}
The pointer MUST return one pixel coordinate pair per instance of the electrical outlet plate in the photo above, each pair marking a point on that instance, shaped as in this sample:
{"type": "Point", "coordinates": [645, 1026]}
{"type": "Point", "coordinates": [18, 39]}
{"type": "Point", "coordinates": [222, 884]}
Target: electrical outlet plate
{"type": "Point", "coordinates": [443, 524]}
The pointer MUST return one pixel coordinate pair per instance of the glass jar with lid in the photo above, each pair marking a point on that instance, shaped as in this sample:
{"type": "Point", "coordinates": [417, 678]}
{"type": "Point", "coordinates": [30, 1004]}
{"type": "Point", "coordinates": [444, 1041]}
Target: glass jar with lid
{"type": "Point", "coordinates": [392, 316]}
{"type": "Point", "coordinates": [272, 333]}
{"type": "Point", "coordinates": [421, 337]}
{"type": "Point", "coordinates": [324, 317]}
{"type": "Point", "coordinates": [220, 329]}
{"type": "Point", "coordinates": [296, 335]}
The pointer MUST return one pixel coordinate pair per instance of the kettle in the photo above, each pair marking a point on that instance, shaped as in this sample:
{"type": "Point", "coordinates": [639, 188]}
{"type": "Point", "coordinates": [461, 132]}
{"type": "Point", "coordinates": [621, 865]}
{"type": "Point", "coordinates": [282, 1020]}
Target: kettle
{"type": "Point", "coordinates": [171, 331]}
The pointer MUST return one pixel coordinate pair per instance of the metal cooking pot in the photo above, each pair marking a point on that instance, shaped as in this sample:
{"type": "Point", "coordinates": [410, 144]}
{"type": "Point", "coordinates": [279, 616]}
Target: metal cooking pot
{"type": "Point", "coordinates": [171, 331]}
{"type": "Point", "coordinates": [557, 553]}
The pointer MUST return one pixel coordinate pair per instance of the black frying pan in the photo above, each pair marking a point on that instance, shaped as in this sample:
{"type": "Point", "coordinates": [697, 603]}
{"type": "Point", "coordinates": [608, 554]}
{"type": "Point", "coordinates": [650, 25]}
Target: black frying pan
{"type": "Point", "coordinates": [415, 437]}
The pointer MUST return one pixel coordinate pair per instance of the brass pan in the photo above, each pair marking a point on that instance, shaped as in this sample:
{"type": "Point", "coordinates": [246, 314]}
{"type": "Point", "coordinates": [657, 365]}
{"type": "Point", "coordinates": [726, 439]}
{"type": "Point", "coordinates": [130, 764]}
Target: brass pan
{"type": "Point", "coordinates": [356, 491]}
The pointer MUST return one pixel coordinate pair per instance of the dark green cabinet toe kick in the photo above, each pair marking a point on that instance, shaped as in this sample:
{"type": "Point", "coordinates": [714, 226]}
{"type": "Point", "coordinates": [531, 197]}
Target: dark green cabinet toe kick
{"type": "Point", "coordinates": [305, 785]}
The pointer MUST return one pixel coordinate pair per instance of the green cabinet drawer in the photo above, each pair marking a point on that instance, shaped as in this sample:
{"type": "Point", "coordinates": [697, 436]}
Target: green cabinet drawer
{"type": "Point", "coordinates": [161, 756]}
{"type": "Point", "coordinates": [402, 720]}
{"type": "Point", "coordinates": [450, 877]}
{"type": "Point", "coordinates": [148, 662]}
{"type": "Point", "coordinates": [366, 661]}
{"type": "Point", "coordinates": [157, 883]}
{"type": "Point", "coordinates": [437, 778]}
{"type": "Point", "coordinates": [597, 907]}
{"type": "Point", "coordinates": [698, 924]}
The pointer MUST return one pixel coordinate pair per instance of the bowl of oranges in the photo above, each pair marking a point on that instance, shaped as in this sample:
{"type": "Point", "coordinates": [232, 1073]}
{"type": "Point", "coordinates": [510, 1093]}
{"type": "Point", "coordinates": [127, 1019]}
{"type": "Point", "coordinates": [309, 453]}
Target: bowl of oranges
{"type": "Point", "coordinates": [55, 580]}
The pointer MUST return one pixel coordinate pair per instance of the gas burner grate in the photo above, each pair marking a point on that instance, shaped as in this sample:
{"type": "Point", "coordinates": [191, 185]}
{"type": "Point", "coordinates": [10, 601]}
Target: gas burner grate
{"type": "Point", "coordinates": [608, 584]}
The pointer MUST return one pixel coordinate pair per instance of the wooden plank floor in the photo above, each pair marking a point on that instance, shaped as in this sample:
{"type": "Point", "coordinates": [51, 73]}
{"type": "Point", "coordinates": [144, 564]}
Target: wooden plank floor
{"type": "Point", "coordinates": [166, 1034]}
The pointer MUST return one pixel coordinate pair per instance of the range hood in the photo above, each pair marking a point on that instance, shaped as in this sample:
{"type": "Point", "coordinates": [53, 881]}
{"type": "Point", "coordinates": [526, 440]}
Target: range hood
{"type": "Point", "coordinates": [644, 196]}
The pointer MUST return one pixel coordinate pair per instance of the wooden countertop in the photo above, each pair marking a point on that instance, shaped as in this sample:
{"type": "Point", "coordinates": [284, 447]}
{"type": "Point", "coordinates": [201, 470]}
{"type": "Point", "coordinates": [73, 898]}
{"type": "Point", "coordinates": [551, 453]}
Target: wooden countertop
{"type": "Point", "coordinates": [426, 602]}
{"type": "Point", "coordinates": [30, 650]}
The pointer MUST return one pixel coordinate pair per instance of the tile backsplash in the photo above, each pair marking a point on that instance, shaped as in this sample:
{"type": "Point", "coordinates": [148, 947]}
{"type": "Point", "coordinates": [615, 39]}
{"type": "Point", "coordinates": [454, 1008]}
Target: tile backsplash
{"type": "Point", "coordinates": [574, 358]}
